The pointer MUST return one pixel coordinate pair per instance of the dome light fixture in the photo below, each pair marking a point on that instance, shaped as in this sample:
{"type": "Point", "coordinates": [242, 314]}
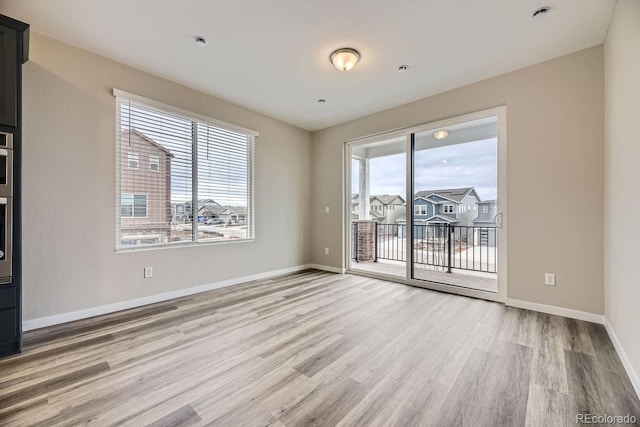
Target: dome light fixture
{"type": "Point", "coordinates": [345, 58]}
{"type": "Point", "coordinates": [441, 134]}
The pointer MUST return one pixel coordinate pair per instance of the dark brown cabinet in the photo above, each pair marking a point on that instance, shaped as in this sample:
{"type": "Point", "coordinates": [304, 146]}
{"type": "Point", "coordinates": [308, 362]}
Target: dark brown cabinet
{"type": "Point", "coordinates": [14, 48]}
{"type": "Point", "coordinates": [8, 76]}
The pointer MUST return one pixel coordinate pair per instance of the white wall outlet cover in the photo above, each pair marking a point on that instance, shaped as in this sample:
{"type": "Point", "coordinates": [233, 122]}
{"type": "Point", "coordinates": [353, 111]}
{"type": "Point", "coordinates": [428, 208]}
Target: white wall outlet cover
{"type": "Point", "coordinates": [327, 209]}
{"type": "Point", "coordinates": [326, 251]}
{"type": "Point", "coordinates": [549, 279]}
{"type": "Point", "coordinates": [148, 272]}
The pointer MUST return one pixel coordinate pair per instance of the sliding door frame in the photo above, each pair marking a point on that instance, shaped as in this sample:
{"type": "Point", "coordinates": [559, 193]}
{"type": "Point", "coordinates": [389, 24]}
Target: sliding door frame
{"type": "Point", "coordinates": [409, 133]}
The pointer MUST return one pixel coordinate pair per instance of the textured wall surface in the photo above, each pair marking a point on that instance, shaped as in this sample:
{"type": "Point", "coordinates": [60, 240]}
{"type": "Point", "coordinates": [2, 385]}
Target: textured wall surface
{"type": "Point", "coordinates": [622, 151]}
{"type": "Point", "coordinates": [555, 131]}
{"type": "Point", "coordinates": [69, 188]}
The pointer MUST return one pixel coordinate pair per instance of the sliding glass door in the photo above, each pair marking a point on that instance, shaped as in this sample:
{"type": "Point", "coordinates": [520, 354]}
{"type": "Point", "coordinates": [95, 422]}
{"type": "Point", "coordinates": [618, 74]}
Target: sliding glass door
{"type": "Point", "coordinates": [455, 199]}
{"type": "Point", "coordinates": [427, 205]}
{"type": "Point", "coordinates": [377, 220]}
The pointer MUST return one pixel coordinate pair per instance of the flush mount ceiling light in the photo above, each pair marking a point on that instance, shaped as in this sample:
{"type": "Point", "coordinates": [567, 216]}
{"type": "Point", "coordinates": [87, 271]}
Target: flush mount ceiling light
{"type": "Point", "coordinates": [345, 59]}
{"type": "Point", "coordinates": [200, 41]}
{"type": "Point", "coordinates": [441, 134]}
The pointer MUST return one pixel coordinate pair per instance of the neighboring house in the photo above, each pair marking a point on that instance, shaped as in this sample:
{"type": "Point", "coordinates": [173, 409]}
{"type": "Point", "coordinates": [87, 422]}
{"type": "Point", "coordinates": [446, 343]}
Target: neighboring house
{"type": "Point", "coordinates": [209, 209]}
{"type": "Point", "coordinates": [228, 215]}
{"type": "Point", "coordinates": [384, 208]}
{"type": "Point", "coordinates": [180, 212]}
{"type": "Point", "coordinates": [487, 211]}
{"type": "Point", "coordinates": [145, 189]}
{"type": "Point", "coordinates": [234, 215]}
{"type": "Point", "coordinates": [457, 206]}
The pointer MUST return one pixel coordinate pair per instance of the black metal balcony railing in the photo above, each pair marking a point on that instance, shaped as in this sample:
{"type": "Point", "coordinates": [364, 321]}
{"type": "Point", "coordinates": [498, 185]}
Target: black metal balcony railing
{"type": "Point", "coordinates": [437, 245]}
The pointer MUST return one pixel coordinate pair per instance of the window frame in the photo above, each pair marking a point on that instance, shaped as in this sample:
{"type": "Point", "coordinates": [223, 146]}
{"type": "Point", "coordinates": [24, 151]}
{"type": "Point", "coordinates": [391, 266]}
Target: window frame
{"type": "Point", "coordinates": [197, 119]}
{"type": "Point", "coordinates": [154, 160]}
{"type": "Point", "coordinates": [133, 157]}
{"type": "Point", "coordinates": [133, 205]}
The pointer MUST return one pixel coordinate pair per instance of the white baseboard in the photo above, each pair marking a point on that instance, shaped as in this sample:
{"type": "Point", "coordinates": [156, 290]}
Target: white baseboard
{"type": "Point", "coordinates": [327, 268]}
{"type": "Point", "coordinates": [631, 372]}
{"type": "Point", "coordinates": [42, 322]}
{"type": "Point", "coordinates": [558, 311]}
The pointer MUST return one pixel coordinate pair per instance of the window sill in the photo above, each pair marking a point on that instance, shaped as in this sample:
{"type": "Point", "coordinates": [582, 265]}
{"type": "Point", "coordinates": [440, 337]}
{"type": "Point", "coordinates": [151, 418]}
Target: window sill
{"type": "Point", "coordinates": [183, 245]}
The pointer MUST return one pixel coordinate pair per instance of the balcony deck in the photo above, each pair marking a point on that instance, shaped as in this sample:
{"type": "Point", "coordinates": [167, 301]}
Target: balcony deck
{"type": "Point", "coordinates": [461, 278]}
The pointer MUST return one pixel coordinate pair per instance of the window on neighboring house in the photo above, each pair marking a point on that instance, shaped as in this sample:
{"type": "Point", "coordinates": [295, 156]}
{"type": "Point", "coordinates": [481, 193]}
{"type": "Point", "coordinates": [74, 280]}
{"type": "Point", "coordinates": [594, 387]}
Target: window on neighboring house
{"type": "Point", "coordinates": [448, 209]}
{"type": "Point", "coordinates": [420, 209]}
{"type": "Point", "coordinates": [154, 163]}
{"type": "Point", "coordinates": [132, 160]}
{"type": "Point", "coordinates": [205, 163]}
{"type": "Point", "coordinates": [133, 205]}
{"type": "Point", "coordinates": [485, 209]}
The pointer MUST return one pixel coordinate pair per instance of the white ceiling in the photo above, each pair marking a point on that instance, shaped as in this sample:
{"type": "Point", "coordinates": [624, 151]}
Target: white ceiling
{"type": "Point", "coordinates": [272, 56]}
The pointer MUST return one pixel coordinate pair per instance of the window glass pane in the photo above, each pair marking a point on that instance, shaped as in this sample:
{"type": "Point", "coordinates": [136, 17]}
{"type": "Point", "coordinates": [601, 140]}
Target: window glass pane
{"type": "Point", "coordinates": [156, 160]}
{"type": "Point", "coordinates": [133, 160]}
{"type": "Point", "coordinates": [126, 205]}
{"type": "Point", "coordinates": [154, 163]}
{"type": "Point", "coordinates": [224, 193]}
{"type": "Point", "coordinates": [154, 137]}
{"type": "Point", "coordinates": [140, 205]}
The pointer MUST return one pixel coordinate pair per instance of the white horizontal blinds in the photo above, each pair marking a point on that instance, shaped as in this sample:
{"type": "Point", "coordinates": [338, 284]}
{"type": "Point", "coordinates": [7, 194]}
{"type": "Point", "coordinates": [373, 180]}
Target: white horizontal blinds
{"type": "Point", "coordinates": [155, 152]}
{"type": "Point", "coordinates": [157, 169]}
{"type": "Point", "coordinates": [225, 170]}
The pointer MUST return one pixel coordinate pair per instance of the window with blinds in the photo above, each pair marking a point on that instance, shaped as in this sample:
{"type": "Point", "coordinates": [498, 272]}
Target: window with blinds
{"type": "Point", "coordinates": [180, 178]}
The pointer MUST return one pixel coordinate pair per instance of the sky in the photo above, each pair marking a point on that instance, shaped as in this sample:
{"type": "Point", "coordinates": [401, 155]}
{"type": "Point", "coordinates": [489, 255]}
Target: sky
{"type": "Point", "coordinates": [473, 164]}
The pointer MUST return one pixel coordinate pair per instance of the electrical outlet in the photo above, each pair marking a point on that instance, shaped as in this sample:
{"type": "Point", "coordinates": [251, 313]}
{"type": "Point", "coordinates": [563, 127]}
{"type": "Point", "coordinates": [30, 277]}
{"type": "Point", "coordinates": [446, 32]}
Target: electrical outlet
{"type": "Point", "coordinates": [327, 209]}
{"type": "Point", "coordinates": [549, 279]}
{"type": "Point", "coordinates": [148, 272]}
{"type": "Point", "coordinates": [326, 251]}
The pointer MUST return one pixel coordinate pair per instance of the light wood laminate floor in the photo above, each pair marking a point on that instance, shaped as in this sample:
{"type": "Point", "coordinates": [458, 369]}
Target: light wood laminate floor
{"type": "Point", "coordinates": [316, 348]}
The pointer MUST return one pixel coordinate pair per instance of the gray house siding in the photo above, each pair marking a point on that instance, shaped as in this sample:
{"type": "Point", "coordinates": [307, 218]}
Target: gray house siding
{"type": "Point", "coordinates": [470, 207]}
{"type": "Point", "coordinates": [488, 235]}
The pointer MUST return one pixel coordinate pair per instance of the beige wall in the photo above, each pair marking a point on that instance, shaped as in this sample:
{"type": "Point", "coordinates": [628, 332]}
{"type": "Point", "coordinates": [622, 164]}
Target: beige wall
{"type": "Point", "coordinates": [622, 175]}
{"type": "Point", "coordinates": [69, 188]}
{"type": "Point", "coordinates": [554, 173]}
